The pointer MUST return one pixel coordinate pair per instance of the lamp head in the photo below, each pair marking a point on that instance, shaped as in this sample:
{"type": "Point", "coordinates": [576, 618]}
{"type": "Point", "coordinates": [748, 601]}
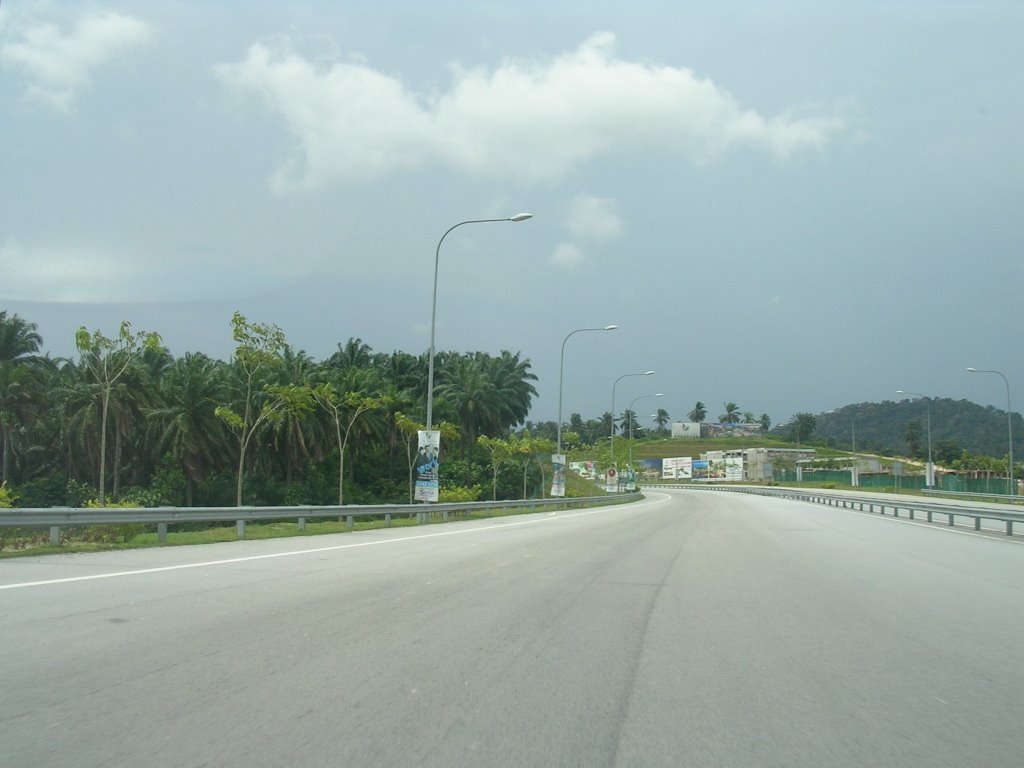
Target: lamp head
{"type": "Point", "coordinates": [648, 373]}
{"type": "Point", "coordinates": [610, 327]}
{"type": "Point", "coordinates": [521, 217]}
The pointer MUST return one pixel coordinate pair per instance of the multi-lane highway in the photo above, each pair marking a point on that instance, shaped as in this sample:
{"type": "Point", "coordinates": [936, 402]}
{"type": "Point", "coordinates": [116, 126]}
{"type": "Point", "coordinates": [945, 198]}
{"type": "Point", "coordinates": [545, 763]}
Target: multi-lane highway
{"type": "Point", "coordinates": [690, 629]}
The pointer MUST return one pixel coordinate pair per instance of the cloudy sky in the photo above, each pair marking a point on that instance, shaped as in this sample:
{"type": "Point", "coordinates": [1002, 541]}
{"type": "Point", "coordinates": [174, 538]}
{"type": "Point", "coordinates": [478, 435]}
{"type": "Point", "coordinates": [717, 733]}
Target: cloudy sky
{"type": "Point", "coordinates": [788, 205]}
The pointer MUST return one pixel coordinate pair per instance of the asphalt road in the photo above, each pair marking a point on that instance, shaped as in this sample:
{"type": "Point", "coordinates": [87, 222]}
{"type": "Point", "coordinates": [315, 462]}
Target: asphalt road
{"type": "Point", "coordinates": [691, 629]}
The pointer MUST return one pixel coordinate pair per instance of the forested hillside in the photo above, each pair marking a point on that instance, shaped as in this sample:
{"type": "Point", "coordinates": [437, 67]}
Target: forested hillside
{"type": "Point", "coordinates": [901, 428]}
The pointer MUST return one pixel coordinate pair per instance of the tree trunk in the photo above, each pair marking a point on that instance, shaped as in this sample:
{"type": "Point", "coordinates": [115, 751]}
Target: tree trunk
{"type": "Point", "coordinates": [103, 449]}
{"type": "Point", "coordinates": [5, 462]}
{"type": "Point", "coordinates": [116, 489]}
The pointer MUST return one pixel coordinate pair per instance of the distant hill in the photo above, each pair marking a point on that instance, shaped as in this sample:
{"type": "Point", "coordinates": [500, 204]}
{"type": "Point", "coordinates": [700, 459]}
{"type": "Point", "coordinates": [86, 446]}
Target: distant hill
{"type": "Point", "coordinates": [955, 425]}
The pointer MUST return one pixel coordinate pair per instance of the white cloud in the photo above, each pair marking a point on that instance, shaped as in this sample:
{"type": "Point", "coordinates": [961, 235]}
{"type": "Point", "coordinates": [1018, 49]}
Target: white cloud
{"type": "Point", "coordinates": [60, 63]}
{"type": "Point", "coordinates": [526, 120]}
{"type": "Point", "coordinates": [91, 273]}
{"type": "Point", "coordinates": [595, 219]}
{"type": "Point", "coordinates": [61, 275]}
{"type": "Point", "coordinates": [567, 255]}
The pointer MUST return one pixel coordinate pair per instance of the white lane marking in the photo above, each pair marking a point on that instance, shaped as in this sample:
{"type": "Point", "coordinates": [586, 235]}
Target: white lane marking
{"type": "Point", "coordinates": [250, 558]}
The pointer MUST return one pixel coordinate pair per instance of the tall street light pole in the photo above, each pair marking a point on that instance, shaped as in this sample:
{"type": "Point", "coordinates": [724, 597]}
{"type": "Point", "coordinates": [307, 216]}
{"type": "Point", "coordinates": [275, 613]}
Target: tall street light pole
{"type": "Point", "coordinates": [611, 447]}
{"type": "Point", "coordinates": [630, 417]}
{"type": "Point", "coordinates": [1009, 421]}
{"type": "Point", "coordinates": [561, 370]}
{"type": "Point", "coordinates": [433, 308]}
{"type": "Point", "coordinates": [930, 479]}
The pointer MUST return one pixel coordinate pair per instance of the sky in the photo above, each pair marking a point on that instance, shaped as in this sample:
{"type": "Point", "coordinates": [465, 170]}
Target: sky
{"type": "Point", "coordinates": [792, 206]}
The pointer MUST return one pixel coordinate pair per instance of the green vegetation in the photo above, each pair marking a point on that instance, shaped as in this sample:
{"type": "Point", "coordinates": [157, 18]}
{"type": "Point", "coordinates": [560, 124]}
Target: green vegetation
{"type": "Point", "coordinates": [129, 423]}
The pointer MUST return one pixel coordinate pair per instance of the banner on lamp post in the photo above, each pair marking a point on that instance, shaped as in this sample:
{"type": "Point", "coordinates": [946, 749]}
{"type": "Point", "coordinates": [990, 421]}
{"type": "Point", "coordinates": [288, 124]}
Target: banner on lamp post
{"type": "Point", "coordinates": [558, 474]}
{"type": "Point", "coordinates": [425, 470]}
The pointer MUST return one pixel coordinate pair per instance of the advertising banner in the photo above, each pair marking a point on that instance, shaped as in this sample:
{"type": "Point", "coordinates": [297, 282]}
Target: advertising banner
{"type": "Point", "coordinates": [678, 468]}
{"type": "Point", "coordinates": [425, 470]}
{"type": "Point", "coordinates": [558, 474]}
{"type": "Point", "coordinates": [700, 469]}
{"type": "Point", "coordinates": [630, 479]}
{"type": "Point", "coordinates": [611, 480]}
{"type": "Point", "coordinates": [734, 468]}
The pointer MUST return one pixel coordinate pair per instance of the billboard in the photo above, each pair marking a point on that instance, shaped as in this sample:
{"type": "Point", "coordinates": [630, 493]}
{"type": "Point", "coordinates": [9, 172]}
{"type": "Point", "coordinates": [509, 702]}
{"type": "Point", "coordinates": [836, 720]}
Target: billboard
{"type": "Point", "coordinates": [679, 468]}
{"type": "Point", "coordinates": [685, 429]}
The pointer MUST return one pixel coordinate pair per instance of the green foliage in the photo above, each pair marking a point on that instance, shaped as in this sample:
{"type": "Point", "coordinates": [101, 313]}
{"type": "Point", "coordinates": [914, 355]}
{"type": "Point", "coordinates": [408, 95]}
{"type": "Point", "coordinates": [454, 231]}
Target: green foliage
{"type": "Point", "coordinates": [457, 494]}
{"type": "Point", "coordinates": [6, 497]}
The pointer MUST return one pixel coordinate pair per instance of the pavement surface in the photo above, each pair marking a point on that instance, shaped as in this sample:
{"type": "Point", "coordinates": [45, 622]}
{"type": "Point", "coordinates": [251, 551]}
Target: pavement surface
{"type": "Point", "coordinates": [689, 629]}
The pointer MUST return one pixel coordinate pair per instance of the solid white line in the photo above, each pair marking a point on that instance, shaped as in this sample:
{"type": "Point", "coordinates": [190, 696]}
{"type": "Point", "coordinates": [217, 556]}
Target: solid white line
{"type": "Point", "coordinates": [250, 558]}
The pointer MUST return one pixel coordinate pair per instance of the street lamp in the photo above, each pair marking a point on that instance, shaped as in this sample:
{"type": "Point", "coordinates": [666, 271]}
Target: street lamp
{"type": "Point", "coordinates": [1009, 420]}
{"type": "Point", "coordinates": [630, 417]}
{"type": "Point", "coordinates": [930, 478]}
{"type": "Point", "coordinates": [611, 445]}
{"type": "Point", "coordinates": [561, 369]}
{"type": "Point", "coordinates": [433, 308]}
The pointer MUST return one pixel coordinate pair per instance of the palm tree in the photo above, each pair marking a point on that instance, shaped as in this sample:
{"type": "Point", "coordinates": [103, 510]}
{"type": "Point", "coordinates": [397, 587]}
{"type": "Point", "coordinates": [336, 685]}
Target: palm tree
{"type": "Point", "coordinates": [19, 340]}
{"type": "Point", "coordinates": [185, 424]}
{"type": "Point", "coordinates": [511, 378]}
{"type": "Point", "coordinates": [766, 422]}
{"type": "Point", "coordinates": [21, 400]}
{"type": "Point", "coordinates": [661, 418]}
{"type": "Point", "coordinates": [698, 413]}
{"type": "Point", "coordinates": [803, 426]}
{"type": "Point", "coordinates": [467, 393]}
{"type": "Point", "coordinates": [628, 423]}
{"type": "Point", "coordinates": [731, 415]}
{"type": "Point", "coordinates": [19, 344]}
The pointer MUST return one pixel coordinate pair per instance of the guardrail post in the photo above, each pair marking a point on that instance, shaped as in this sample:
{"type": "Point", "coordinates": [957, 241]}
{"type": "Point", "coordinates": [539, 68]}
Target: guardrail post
{"type": "Point", "coordinates": [54, 535]}
{"type": "Point", "coordinates": [950, 519]}
{"type": "Point", "coordinates": [302, 523]}
{"type": "Point", "coordinates": [161, 532]}
{"type": "Point", "coordinates": [240, 528]}
{"type": "Point", "coordinates": [929, 516]}
{"type": "Point", "coordinates": [350, 522]}
{"type": "Point", "coordinates": [1009, 527]}
{"type": "Point", "coordinates": [446, 515]}
{"type": "Point", "coordinates": [387, 519]}
{"type": "Point", "coordinates": [977, 523]}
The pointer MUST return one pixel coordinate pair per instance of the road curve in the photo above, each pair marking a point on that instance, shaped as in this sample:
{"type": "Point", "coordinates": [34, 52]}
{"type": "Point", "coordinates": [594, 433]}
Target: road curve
{"type": "Point", "coordinates": [690, 629]}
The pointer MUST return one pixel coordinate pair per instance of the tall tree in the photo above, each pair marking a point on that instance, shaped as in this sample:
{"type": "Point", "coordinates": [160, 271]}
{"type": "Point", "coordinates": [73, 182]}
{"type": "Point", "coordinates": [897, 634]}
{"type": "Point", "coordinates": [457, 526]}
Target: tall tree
{"type": "Point", "coordinates": [19, 339]}
{"type": "Point", "coordinates": [343, 411]}
{"type": "Point", "coordinates": [628, 424]}
{"type": "Point", "coordinates": [699, 412]}
{"type": "Point", "coordinates": [732, 414]}
{"type": "Point", "coordinates": [20, 395]}
{"type": "Point", "coordinates": [661, 418]}
{"type": "Point", "coordinates": [259, 347]}
{"type": "Point", "coordinates": [184, 424]}
{"type": "Point", "coordinates": [802, 426]}
{"type": "Point", "coordinates": [106, 360]}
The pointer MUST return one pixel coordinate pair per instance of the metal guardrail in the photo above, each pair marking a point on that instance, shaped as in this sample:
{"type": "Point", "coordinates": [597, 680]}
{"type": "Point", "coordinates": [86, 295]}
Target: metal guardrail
{"type": "Point", "coordinates": [1000, 497]}
{"type": "Point", "coordinates": [60, 517]}
{"type": "Point", "coordinates": [874, 504]}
